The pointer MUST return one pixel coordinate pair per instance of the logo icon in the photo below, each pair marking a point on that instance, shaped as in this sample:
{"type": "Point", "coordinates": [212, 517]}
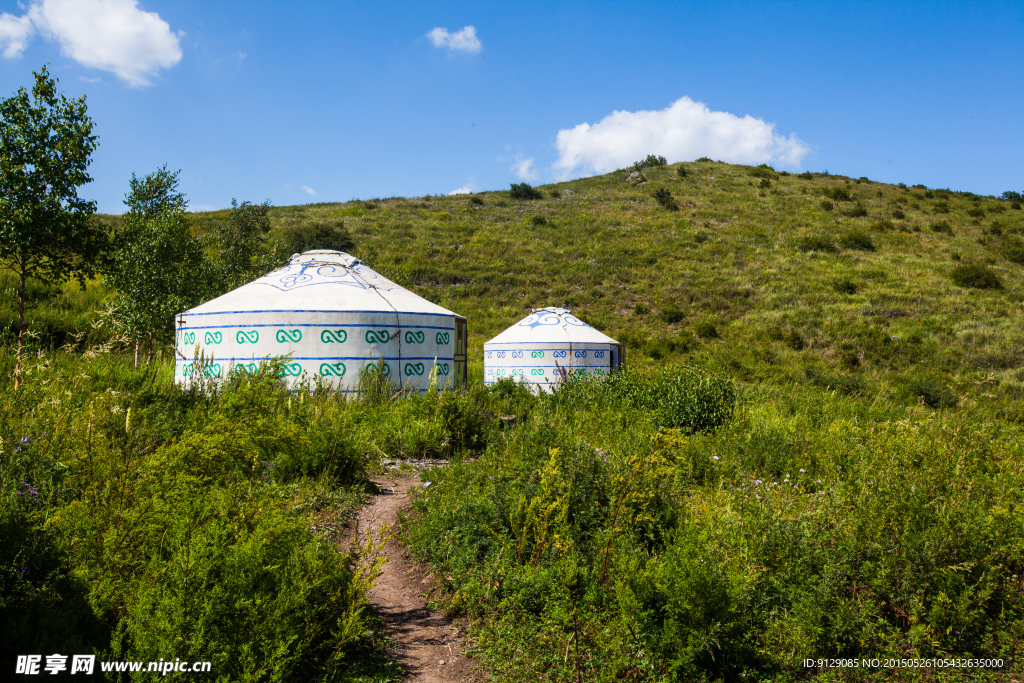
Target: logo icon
{"type": "Point", "coordinates": [598, 354]}
{"type": "Point", "coordinates": [213, 337]}
{"type": "Point", "coordinates": [537, 354]}
{"type": "Point", "coordinates": [252, 337]}
{"type": "Point", "coordinates": [517, 354]}
{"type": "Point", "coordinates": [501, 354]}
{"type": "Point", "coordinates": [580, 354]}
{"type": "Point", "coordinates": [190, 337]}
{"type": "Point", "coordinates": [443, 369]}
{"type": "Point", "coordinates": [517, 371]}
{"type": "Point", "coordinates": [442, 338]}
{"type": "Point", "coordinates": [284, 336]}
{"type": "Point", "coordinates": [335, 369]}
{"type": "Point", "coordinates": [537, 371]}
{"type": "Point", "coordinates": [377, 336]}
{"type": "Point", "coordinates": [334, 336]}
{"type": "Point", "coordinates": [559, 354]}
{"type": "Point", "coordinates": [416, 337]}
{"type": "Point", "coordinates": [414, 368]}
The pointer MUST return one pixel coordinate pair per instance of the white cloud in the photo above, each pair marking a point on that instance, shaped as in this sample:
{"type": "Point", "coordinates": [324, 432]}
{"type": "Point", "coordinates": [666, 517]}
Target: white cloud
{"type": "Point", "coordinates": [683, 131]}
{"type": "Point", "coordinates": [462, 190]}
{"type": "Point", "coordinates": [309, 190]}
{"type": "Point", "coordinates": [464, 40]}
{"type": "Point", "coordinates": [523, 168]}
{"type": "Point", "coordinates": [110, 35]}
{"type": "Point", "coordinates": [14, 34]}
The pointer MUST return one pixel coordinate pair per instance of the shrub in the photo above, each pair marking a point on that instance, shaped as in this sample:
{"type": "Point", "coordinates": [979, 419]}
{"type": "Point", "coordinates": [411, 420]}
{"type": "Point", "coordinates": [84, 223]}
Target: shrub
{"type": "Point", "coordinates": [671, 314]}
{"type": "Point", "coordinates": [538, 220]}
{"type": "Point", "coordinates": [857, 210]}
{"type": "Point", "coordinates": [556, 194]}
{"type": "Point", "coordinates": [678, 398]}
{"type": "Point", "coordinates": [898, 214]}
{"type": "Point", "coordinates": [827, 205]}
{"type": "Point", "coordinates": [976, 212]}
{"type": "Point", "coordinates": [1011, 196]}
{"type": "Point", "coordinates": [476, 201]}
{"type": "Point", "coordinates": [794, 340]}
{"type": "Point", "coordinates": [650, 161]}
{"type": "Point", "coordinates": [641, 308]}
{"type": "Point", "coordinates": [881, 225]}
{"type": "Point", "coordinates": [933, 392]}
{"type": "Point", "coordinates": [806, 175]}
{"type": "Point", "coordinates": [845, 286]}
{"type": "Point", "coordinates": [524, 191]}
{"type": "Point", "coordinates": [322, 235]}
{"type": "Point", "coordinates": [681, 171]}
{"type": "Point", "coordinates": [857, 239]}
{"type": "Point", "coordinates": [816, 243]}
{"type": "Point", "coordinates": [764, 184]}
{"type": "Point", "coordinates": [976, 276]}
{"type": "Point", "coordinates": [1015, 206]}
{"type": "Point", "coordinates": [706, 329]}
{"type": "Point", "coordinates": [840, 194]}
{"type": "Point", "coordinates": [664, 198]}
{"type": "Point", "coordinates": [1013, 250]}
{"type": "Point", "coordinates": [942, 227]}
{"type": "Point", "coordinates": [941, 207]}
{"type": "Point", "coordinates": [764, 171]}
{"type": "Point", "coordinates": [702, 160]}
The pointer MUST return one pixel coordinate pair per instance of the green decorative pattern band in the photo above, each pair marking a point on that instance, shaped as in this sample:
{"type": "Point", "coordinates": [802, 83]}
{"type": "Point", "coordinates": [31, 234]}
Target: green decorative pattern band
{"type": "Point", "coordinates": [251, 336]}
{"type": "Point", "coordinates": [213, 337]}
{"type": "Point", "coordinates": [332, 369]}
{"type": "Point", "coordinates": [416, 337]}
{"type": "Point", "coordinates": [285, 336]}
{"type": "Point", "coordinates": [334, 336]}
{"type": "Point", "coordinates": [377, 336]}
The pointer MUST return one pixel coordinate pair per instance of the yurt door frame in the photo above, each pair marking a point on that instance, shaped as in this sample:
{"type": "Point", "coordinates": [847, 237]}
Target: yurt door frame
{"type": "Point", "coordinates": [461, 344]}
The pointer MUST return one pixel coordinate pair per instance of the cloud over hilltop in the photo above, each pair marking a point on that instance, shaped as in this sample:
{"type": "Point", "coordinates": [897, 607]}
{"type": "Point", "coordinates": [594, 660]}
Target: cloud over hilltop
{"type": "Point", "coordinates": [683, 131]}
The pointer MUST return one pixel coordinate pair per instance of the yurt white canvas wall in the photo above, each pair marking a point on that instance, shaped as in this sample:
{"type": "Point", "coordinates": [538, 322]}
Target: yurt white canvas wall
{"type": "Point", "coordinates": [546, 347]}
{"type": "Point", "coordinates": [334, 316]}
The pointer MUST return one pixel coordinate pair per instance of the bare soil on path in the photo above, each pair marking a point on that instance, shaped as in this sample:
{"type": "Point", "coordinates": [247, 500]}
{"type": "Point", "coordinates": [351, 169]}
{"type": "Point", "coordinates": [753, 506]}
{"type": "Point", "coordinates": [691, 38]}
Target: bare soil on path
{"type": "Point", "coordinates": [427, 645]}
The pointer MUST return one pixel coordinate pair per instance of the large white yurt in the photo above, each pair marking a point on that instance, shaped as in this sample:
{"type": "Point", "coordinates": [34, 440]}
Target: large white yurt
{"type": "Point", "coordinates": [548, 346]}
{"type": "Point", "coordinates": [332, 316]}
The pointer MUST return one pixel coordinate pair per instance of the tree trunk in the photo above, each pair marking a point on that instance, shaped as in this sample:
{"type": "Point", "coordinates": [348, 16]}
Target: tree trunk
{"type": "Point", "coordinates": [22, 329]}
{"type": "Point", "coordinates": [149, 349]}
{"type": "Point", "coordinates": [136, 353]}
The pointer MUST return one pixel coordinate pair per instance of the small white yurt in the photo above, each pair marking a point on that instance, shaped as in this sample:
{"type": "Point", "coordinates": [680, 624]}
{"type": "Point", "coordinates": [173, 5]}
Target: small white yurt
{"type": "Point", "coordinates": [332, 316]}
{"type": "Point", "coordinates": [548, 346]}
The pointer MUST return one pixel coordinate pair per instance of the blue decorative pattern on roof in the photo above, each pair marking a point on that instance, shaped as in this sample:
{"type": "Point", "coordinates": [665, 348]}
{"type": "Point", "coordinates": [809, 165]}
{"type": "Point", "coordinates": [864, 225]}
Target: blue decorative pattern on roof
{"type": "Point", "coordinates": [294, 276]}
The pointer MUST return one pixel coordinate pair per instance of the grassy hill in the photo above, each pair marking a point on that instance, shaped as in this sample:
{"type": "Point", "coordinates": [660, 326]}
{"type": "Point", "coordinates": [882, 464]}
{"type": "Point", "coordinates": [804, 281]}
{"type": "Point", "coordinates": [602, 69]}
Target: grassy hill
{"type": "Point", "coordinates": [843, 282]}
{"type": "Point", "coordinates": [839, 473]}
{"type": "Point", "coordinates": [855, 285]}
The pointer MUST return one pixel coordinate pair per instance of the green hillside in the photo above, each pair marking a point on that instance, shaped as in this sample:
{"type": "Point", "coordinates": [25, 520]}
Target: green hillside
{"type": "Point", "coordinates": [775, 277]}
{"type": "Point", "coordinates": [814, 452]}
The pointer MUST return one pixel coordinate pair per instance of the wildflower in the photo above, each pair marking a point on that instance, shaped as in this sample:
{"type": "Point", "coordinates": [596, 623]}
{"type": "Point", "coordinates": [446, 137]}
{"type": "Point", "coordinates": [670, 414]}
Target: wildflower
{"type": "Point", "coordinates": [426, 484]}
{"type": "Point", "coordinates": [802, 470]}
{"type": "Point", "coordinates": [819, 481]}
{"type": "Point", "coordinates": [490, 477]}
{"type": "Point", "coordinates": [714, 457]}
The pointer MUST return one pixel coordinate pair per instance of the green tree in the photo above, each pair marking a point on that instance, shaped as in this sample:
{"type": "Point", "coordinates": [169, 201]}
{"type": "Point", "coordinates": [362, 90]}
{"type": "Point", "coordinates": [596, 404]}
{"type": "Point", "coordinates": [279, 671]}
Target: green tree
{"type": "Point", "coordinates": [154, 194]}
{"type": "Point", "coordinates": [158, 271]}
{"type": "Point", "coordinates": [242, 255]}
{"type": "Point", "coordinates": [46, 229]}
{"type": "Point", "coordinates": [157, 265]}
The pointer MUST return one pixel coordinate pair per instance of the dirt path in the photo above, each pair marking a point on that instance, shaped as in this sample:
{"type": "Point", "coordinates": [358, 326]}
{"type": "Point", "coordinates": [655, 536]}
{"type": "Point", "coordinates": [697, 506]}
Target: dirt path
{"type": "Point", "coordinates": [427, 645]}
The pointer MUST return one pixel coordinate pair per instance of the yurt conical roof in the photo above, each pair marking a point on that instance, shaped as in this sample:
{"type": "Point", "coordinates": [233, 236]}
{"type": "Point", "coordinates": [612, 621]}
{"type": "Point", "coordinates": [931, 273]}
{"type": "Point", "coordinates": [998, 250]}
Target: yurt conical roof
{"type": "Point", "coordinates": [547, 346]}
{"type": "Point", "coordinates": [333, 316]}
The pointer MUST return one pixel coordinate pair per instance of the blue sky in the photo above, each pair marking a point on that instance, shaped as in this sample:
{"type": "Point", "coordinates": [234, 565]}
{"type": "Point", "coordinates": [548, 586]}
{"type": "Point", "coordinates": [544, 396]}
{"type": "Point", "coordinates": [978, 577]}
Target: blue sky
{"type": "Point", "coordinates": [328, 101]}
